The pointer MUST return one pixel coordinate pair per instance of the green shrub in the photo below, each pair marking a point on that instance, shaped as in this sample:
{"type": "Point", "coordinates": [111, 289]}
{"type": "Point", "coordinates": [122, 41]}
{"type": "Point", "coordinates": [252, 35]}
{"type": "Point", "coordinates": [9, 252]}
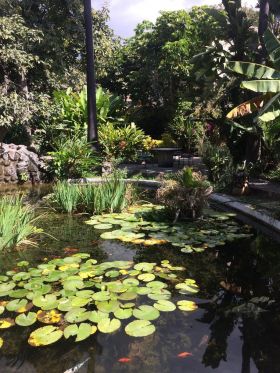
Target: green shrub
{"type": "Point", "coordinates": [121, 142]}
{"type": "Point", "coordinates": [219, 162]}
{"type": "Point", "coordinates": [73, 158]}
{"type": "Point", "coordinates": [185, 131]}
{"type": "Point", "coordinates": [16, 223]}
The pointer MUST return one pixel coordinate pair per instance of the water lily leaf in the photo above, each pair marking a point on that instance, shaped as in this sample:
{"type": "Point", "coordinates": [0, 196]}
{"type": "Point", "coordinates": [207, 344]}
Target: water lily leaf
{"type": "Point", "coordinates": [68, 266]}
{"type": "Point", "coordinates": [143, 290]}
{"type": "Point", "coordinates": [146, 277]}
{"type": "Point", "coordinates": [21, 276]}
{"type": "Point", "coordinates": [4, 278]}
{"type": "Point", "coordinates": [49, 317]}
{"type": "Point", "coordinates": [79, 302]}
{"type": "Point", "coordinates": [154, 241]}
{"type": "Point", "coordinates": [18, 305]}
{"type": "Point", "coordinates": [123, 313]}
{"type": "Point", "coordinates": [84, 293]}
{"type": "Point", "coordinates": [6, 323]}
{"type": "Point", "coordinates": [109, 306]}
{"type": "Point", "coordinates": [165, 306]}
{"type": "Point", "coordinates": [127, 305]}
{"type": "Point", "coordinates": [73, 283]}
{"type": "Point", "coordinates": [187, 287]}
{"type": "Point", "coordinates": [5, 288]}
{"type": "Point", "coordinates": [70, 331]}
{"type": "Point", "coordinates": [23, 263]}
{"type": "Point", "coordinates": [140, 328]}
{"type": "Point", "coordinates": [131, 282]}
{"type": "Point", "coordinates": [65, 304]}
{"type": "Point", "coordinates": [156, 285]}
{"type": "Point", "coordinates": [77, 315]}
{"type": "Point", "coordinates": [47, 302]}
{"type": "Point", "coordinates": [187, 305]}
{"type": "Point", "coordinates": [108, 325]}
{"type": "Point", "coordinates": [84, 331]}
{"type": "Point", "coordinates": [128, 295]}
{"type": "Point", "coordinates": [19, 293]}
{"type": "Point", "coordinates": [112, 274]}
{"type": "Point", "coordinates": [96, 316]}
{"type": "Point", "coordinates": [117, 287]}
{"type": "Point", "coordinates": [103, 226]}
{"type": "Point", "coordinates": [45, 336]}
{"type": "Point", "coordinates": [2, 310]}
{"type": "Point", "coordinates": [1, 342]}
{"type": "Point", "coordinates": [160, 294]}
{"type": "Point", "coordinates": [146, 267]}
{"type": "Point", "coordinates": [101, 296]}
{"type": "Point", "coordinates": [145, 312]}
{"type": "Point", "coordinates": [26, 319]}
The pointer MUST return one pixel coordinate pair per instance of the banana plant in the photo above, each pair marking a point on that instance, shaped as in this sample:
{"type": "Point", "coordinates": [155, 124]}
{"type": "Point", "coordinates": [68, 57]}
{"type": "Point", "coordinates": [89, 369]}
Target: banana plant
{"type": "Point", "coordinates": [265, 80]}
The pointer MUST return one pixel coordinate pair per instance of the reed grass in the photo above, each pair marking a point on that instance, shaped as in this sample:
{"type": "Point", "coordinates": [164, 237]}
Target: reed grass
{"type": "Point", "coordinates": [107, 196]}
{"type": "Point", "coordinates": [16, 222]}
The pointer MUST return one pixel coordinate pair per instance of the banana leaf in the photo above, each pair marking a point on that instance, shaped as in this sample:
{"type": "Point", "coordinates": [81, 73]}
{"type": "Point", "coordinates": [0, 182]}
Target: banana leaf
{"type": "Point", "coordinates": [248, 107]}
{"type": "Point", "coordinates": [262, 86]}
{"type": "Point", "coordinates": [272, 45]}
{"type": "Point", "coordinates": [253, 70]}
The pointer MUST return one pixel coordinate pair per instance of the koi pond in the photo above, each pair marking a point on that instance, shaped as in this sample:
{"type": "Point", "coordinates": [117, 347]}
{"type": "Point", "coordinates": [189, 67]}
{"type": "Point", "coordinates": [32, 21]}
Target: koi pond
{"type": "Point", "coordinates": [129, 293]}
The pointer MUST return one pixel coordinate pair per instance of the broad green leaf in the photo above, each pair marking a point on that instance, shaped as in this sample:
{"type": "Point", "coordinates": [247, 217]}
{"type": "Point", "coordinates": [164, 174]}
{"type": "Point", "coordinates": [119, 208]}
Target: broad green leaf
{"type": "Point", "coordinates": [108, 325]}
{"type": "Point", "coordinates": [262, 86]}
{"type": "Point", "coordinates": [272, 45]}
{"type": "Point", "coordinates": [145, 312]}
{"type": "Point", "coordinates": [47, 302]}
{"type": "Point", "coordinates": [253, 70]}
{"type": "Point", "coordinates": [6, 323]}
{"type": "Point", "coordinates": [84, 331]}
{"type": "Point", "coordinates": [140, 328]}
{"type": "Point", "coordinates": [123, 313]}
{"type": "Point", "coordinates": [109, 306]}
{"type": "Point", "coordinates": [26, 319]}
{"type": "Point", "coordinates": [45, 336]}
{"type": "Point", "coordinates": [96, 316]}
{"type": "Point", "coordinates": [146, 277]}
{"type": "Point", "coordinates": [101, 296]}
{"type": "Point", "coordinates": [165, 306]}
{"type": "Point", "coordinates": [77, 315]}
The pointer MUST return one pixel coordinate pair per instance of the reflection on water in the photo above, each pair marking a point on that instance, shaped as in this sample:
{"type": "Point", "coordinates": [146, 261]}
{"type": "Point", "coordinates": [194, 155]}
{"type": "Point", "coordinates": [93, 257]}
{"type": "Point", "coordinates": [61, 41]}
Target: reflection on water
{"type": "Point", "coordinates": [234, 330]}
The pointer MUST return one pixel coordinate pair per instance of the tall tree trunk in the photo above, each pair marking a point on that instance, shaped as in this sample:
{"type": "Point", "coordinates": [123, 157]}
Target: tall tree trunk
{"type": "Point", "coordinates": [263, 25]}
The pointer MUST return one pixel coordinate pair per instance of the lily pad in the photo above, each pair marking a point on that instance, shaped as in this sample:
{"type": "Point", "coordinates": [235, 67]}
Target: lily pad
{"type": "Point", "coordinates": [26, 319]}
{"type": "Point", "coordinates": [140, 328]}
{"type": "Point", "coordinates": [47, 302]}
{"type": "Point", "coordinates": [123, 313]}
{"type": "Point", "coordinates": [145, 312]}
{"type": "Point", "coordinates": [108, 325]}
{"type": "Point", "coordinates": [49, 317]}
{"type": "Point", "coordinates": [165, 306]}
{"type": "Point", "coordinates": [187, 305]}
{"type": "Point", "coordinates": [6, 323]}
{"type": "Point", "coordinates": [146, 277]}
{"type": "Point", "coordinates": [77, 315]}
{"type": "Point", "coordinates": [96, 316]}
{"type": "Point", "coordinates": [45, 336]}
{"type": "Point", "coordinates": [109, 306]}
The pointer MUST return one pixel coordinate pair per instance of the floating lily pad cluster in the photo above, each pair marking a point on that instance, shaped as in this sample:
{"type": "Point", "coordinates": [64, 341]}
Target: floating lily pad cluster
{"type": "Point", "coordinates": [140, 225]}
{"type": "Point", "coordinates": [76, 297]}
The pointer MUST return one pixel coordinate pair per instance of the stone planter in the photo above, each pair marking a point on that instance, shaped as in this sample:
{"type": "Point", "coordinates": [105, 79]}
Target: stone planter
{"type": "Point", "coordinates": [165, 156]}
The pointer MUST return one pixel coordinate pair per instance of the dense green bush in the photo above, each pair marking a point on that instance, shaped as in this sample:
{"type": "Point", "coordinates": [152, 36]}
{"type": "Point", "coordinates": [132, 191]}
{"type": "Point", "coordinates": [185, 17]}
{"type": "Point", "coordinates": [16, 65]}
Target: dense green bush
{"type": "Point", "coordinates": [16, 223]}
{"type": "Point", "coordinates": [185, 131]}
{"type": "Point", "coordinates": [121, 142]}
{"type": "Point", "coordinates": [219, 162]}
{"type": "Point", "coordinates": [72, 158]}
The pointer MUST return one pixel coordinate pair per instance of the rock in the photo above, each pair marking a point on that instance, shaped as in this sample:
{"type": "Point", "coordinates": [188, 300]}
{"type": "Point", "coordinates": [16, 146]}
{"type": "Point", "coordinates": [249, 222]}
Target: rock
{"type": "Point", "coordinates": [18, 164]}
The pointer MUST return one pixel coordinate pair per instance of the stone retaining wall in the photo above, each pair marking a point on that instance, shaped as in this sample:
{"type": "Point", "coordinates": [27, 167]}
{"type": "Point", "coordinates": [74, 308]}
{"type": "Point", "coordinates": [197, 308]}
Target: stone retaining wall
{"type": "Point", "coordinates": [18, 164]}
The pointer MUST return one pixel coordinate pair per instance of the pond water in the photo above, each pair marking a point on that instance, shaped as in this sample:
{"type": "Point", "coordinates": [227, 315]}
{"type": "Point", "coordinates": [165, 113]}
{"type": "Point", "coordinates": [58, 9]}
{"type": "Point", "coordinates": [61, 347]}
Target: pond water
{"type": "Point", "coordinates": [236, 328]}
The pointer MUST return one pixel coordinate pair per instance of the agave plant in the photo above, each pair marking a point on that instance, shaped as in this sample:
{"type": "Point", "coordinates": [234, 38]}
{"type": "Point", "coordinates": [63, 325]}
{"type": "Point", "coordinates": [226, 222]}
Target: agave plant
{"type": "Point", "coordinates": [265, 80]}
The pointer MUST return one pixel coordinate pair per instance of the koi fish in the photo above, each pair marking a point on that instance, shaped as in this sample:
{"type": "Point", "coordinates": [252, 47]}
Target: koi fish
{"type": "Point", "coordinates": [183, 355]}
{"type": "Point", "coordinates": [124, 360]}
